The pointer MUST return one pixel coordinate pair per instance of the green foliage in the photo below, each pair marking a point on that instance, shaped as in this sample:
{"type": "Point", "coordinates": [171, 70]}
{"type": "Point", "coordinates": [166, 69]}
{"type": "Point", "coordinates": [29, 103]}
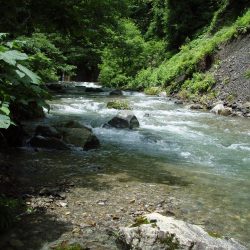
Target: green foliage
{"type": "Point", "coordinates": [247, 74]}
{"type": "Point", "coordinates": [167, 24]}
{"type": "Point", "coordinates": [118, 104]}
{"type": "Point", "coordinates": [152, 91]}
{"type": "Point", "coordinates": [45, 58]}
{"type": "Point", "coordinates": [186, 61]}
{"type": "Point", "coordinates": [200, 83]}
{"type": "Point", "coordinates": [171, 242]}
{"type": "Point", "coordinates": [18, 84]}
{"type": "Point", "coordinates": [140, 221]}
{"type": "Point", "coordinates": [127, 55]}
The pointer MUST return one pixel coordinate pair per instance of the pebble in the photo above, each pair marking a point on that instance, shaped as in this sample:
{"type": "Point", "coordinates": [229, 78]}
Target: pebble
{"type": "Point", "coordinates": [62, 204]}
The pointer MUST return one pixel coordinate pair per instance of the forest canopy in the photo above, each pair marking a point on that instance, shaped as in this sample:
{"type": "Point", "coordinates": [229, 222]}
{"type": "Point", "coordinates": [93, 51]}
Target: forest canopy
{"type": "Point", "coordinates": [121, 43]}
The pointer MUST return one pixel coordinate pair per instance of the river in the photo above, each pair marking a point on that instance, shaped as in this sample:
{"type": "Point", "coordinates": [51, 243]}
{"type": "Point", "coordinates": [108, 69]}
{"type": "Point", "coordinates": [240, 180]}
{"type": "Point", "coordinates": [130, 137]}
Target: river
{"type": "Point", "coordinates": [200, 159]}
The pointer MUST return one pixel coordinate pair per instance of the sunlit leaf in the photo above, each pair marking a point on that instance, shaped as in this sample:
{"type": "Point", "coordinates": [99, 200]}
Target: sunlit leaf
{"type": "Point", "coordinates": [20, 73]}
{"type": "Point", "coordinates": [33, 77]}
{"type": "Point", "coordinates": [4, 121]}
{"type": "Point", "coordinates": [12, 56]}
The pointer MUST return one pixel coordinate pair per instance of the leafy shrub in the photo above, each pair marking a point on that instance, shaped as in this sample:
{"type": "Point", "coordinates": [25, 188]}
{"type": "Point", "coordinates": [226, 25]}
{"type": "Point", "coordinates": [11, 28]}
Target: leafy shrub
{"type": "Point", "coordinates": [18, 84]}
{"type": "Point", "coordinates": [186, 61]}
{"type": "Point", "coordinates": [200, 83]}
{"type": "Point", "coordinates": [45, 58]}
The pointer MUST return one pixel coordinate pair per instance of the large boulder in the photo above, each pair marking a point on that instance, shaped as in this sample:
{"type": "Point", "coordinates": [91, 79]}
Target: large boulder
{"type": "Point", "coordinates": [80, 137]}
{"type": "Point", "coordinates": [220, 109]}
{"type": "Point", "coordinates": [156, 232]}
{"type": "Point", "coordinates": [124, 120]}
{"type": "Point", "coordinates": [39, 141]}
{"type": "Point", "coordinates": [47, 131]}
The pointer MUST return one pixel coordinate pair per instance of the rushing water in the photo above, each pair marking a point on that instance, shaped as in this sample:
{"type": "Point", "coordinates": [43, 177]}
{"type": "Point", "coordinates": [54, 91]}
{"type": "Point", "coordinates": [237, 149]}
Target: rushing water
{"type": "Point", "coordinates": [206, 158]}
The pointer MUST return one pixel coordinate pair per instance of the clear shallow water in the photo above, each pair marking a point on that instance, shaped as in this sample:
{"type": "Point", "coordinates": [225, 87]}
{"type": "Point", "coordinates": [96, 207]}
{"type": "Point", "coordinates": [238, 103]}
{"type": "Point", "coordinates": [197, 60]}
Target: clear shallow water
{"type": "Point", "coordinates": [205, 158]}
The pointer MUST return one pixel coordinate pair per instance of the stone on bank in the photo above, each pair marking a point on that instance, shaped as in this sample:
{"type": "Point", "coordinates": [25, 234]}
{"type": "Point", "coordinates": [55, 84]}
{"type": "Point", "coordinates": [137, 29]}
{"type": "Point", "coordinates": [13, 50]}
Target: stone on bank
{"type": "Point", "coordinates": [161, 232]}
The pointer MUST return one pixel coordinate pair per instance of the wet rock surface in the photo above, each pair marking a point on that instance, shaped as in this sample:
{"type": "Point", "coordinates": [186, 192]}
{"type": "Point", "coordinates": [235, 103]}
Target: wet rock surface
{"type": "Point", "coordinates": [123, 120]}
{"type": "Point", "coordinates": [48, 143]}
{"type": "Point", "coordinates": [59, 138]}
{"type": "Point", "coordinates": [116, 92]}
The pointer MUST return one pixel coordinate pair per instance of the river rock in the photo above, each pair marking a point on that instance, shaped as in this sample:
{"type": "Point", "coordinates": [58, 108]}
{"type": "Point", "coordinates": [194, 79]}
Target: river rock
{"type": "Point", "coordinates": [39, 141]}
{"type": "Point", "coordinates": [162, 94]}
{"type": "Point", "coordinates": [220, 109]}
{"type": "Point", "coordinates": [163, 232]}
{"type": "Point", "coordinates": [80, 137]}
{"type": "Point", "coordinates": [116, 92]}
{"type": "Point", "coordinates": [124, 120]}
{"type": "Point", "coordinates": [47, 131]}
{"type": "Point", "coordinates": [179, 102]}
{"type": "Point", "coordinates": [195, 106]}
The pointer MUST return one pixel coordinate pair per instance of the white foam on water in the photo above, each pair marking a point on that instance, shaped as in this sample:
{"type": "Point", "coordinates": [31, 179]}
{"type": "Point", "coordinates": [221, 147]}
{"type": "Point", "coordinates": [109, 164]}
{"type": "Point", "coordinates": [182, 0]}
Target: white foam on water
{"type": "Point", "coordinates": [88, 84]}
{"type": "Point", "coordinates": [243, 146]}
{"type": "Point", "coordinates": [185, 154]}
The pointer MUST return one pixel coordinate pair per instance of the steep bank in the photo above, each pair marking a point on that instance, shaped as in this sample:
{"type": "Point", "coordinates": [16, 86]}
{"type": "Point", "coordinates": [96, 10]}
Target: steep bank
{"type": "Point", "coordinates": [232, 82]}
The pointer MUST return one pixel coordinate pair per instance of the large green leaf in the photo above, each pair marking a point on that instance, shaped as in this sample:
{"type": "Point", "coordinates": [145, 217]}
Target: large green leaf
{"type": "Point", "coordinates": [4, 121]}
{"type": "Point", "coordinates": [4, 108]}
{"type": "Point", "coordinates": [33, 77]}
{"type": "Point", "coordinates": [20, 73]}
{"type": "Point", "coordinates": [12, 56]}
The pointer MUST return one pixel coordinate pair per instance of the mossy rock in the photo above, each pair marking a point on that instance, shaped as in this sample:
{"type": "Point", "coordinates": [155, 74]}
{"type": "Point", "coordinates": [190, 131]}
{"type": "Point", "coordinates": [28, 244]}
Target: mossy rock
{"type": "Point", "coordinates": [120, 105]}
{"type": "Point", "coordinates": [152, 91]}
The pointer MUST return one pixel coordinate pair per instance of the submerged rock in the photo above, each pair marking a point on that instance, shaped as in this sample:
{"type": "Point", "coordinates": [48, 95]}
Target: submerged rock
{"type": "Point", "coordinates": [116, 92]}
{"type": "Point", "coordinates": [47, 142]}
{"type": "Point", "coordinates": [124, 120]}
{"type": "Point", "coordinates": [156, 232]}
{"type": "Point", "coordinates": [179, 102]}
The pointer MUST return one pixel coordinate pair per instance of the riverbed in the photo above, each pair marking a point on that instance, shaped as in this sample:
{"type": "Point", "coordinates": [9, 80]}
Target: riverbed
{"type": "Point", "coordinates": [190, 164]}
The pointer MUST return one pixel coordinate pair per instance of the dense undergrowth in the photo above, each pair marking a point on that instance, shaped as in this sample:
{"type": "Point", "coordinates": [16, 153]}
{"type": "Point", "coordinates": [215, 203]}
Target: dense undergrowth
{"type": "Point", "coordinates": [177, 70]}
{"type": "Point", "coordinates": [186, 62]}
